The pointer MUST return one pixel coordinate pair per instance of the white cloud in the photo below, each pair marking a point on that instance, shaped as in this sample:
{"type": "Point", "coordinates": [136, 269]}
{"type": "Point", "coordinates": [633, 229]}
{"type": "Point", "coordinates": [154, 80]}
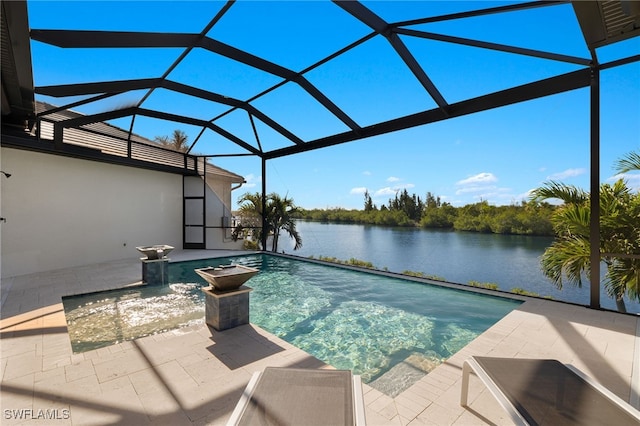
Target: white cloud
{"type": "Point", "coordinates": [393, 179]}
{"type": "Point", "coordinates": [567, 174]}
{"type": "Point", "coordinates": [526, 195]}
{"type": "Point", "coordinates": [632, 179]}
{"type": "Point", "coordinates": [629, 177]}
{"type": "Point", "coordinates": [480, 183]}
{"type": "Point", "coordinates": [385, 191]}
{"type": "Point", "coordinates": [480, 178]}
{"type": "Point", "coordinates": [499, 197]}
{"type": "Point", "coordinates": [358, 190]}
{"type": "Point", "coordinates": [476, 188]}
{"type": "Point", "coordinates": [251, 181]}
{"type": "Point", "coordinates": [367, 173]}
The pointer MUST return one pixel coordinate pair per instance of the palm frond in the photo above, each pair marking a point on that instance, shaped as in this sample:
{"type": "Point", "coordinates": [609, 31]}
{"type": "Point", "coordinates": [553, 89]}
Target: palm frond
{"type": "Point", "coordinates": [568, 258]}
{"type": "Point", "coordinates": [572, 220]}
{"type": "Point", "coordinates": [568, 193]}
{"type": "Point", "coordinates": [623, 276]}
{"type": "Point", "coordinates": [628, 163]}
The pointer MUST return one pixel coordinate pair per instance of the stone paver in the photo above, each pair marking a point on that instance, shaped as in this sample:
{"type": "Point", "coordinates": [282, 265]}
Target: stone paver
{"type": "Point", "coordinates": [195, 376]}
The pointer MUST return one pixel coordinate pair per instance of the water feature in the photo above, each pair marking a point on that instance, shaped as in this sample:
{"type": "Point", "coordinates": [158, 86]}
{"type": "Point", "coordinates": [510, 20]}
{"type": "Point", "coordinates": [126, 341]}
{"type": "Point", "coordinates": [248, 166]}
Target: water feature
{"type": "Point", "coordinates": [511, 261]}
{"type": "Point", "coordinates": [155, 263]}
{"type": "Point", "coordinates": [388, 330]}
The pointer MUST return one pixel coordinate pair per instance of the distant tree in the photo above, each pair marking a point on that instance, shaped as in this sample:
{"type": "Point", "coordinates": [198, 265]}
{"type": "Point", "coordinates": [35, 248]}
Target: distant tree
{"type": "Point", "coordinates": [432, 201]}
{"type": "Point", "coordinates": [410, 205]}
{"type": "Point", "coordinates": [368, 202]}
{"type": "Point", "coordinates": [177, 141]}
{"type": "Point", "coordinates": [475, 217]}
{"type": "Point", "coordinates": [439, 217]}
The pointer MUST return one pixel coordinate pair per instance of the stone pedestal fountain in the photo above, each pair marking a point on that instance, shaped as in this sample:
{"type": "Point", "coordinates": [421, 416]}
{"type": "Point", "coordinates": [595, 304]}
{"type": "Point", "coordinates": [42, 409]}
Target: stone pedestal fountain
{"type": "Point", "coordinates": [155, 264]}
{"type": "Point", "coordinates": [227, 299]}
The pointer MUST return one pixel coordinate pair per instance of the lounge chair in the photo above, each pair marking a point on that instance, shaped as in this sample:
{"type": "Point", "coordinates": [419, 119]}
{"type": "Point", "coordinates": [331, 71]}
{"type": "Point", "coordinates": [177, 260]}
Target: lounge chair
{"type": "Point", "coordinates": [291, 396]}
{"type": "Point", "coordinates": [547, 392]}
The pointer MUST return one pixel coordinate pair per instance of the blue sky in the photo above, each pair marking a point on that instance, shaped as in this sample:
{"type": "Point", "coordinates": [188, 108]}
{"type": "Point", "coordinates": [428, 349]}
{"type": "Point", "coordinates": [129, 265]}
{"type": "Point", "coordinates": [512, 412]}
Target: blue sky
{"type": "Point", "coordinates": [497, 155]}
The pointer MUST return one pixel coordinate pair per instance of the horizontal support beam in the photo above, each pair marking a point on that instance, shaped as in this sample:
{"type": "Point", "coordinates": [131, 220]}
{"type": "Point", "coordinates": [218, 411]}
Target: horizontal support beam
{"type": "Point", "coordinates": [125, 112]}
{"type": "Point", "coordinates": [620, 62]}
{"type": "Point", "coordinates": [495, 46]}
{"type": "Point", "coordinates": [148, 83]}
{"type": "Point", "coordinates": [118, 39]}
{"type": "Point", "coordinates": [81, 89]}
{"type": "Point", "coordinates": [112, 39]}
{"type": "Point", "coordinates": [482, 12]}
{"type": "Point", "coordinates": [76, 104]}
{"type": "Point", "coordinates": [563, 83]}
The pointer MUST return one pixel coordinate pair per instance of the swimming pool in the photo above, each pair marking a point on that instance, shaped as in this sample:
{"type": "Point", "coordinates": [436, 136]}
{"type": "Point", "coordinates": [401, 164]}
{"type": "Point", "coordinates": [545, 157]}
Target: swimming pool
{"type": "Point", "coordinates": [389, 330]}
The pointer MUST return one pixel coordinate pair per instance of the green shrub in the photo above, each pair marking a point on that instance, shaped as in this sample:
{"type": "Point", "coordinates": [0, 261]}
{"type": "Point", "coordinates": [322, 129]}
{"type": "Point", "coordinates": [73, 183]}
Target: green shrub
{"type": "Point", "coordinates": [523, 292]}
{"type": "Point", "coordinates": [422, 275]}
{"type": "Point", "coordinates": [490, 286]}
{"type": "Point", "coordinates": [361, 263]}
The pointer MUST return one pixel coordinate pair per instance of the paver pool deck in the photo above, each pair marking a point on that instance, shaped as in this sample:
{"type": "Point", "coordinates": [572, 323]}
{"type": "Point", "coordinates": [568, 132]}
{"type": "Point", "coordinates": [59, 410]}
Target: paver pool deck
{"type": "Point", "coordinates": [195, 375]}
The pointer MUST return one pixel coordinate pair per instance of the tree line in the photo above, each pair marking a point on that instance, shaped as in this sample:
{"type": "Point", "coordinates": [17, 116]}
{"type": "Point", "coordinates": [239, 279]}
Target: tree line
{"type": "Point", "coordinates": [527, 218]}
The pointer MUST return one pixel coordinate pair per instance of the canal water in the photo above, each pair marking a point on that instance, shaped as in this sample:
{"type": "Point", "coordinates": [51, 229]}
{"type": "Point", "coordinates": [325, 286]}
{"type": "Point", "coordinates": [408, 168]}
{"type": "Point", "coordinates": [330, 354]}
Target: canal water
{"type": "Point", "coordinates": [510, 261]}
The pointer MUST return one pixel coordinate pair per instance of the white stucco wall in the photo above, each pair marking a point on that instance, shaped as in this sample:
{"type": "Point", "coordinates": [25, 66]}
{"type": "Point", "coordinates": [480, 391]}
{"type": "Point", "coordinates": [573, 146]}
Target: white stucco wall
{"type": "Point", "coordinates": [218, 196]}
{"type": "Point", "coordinates": [64, 212]}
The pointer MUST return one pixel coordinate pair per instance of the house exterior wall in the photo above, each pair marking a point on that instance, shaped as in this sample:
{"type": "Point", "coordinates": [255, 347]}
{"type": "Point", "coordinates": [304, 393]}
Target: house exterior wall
{"type": "Point", "coordinates": [218, 205]}
{"type": "Point", "coordinates": [63, 212]}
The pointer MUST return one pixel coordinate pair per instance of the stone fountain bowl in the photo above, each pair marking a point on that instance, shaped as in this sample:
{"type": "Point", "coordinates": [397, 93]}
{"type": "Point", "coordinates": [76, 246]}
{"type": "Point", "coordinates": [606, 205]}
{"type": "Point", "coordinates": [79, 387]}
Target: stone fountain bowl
{"type": "Point", "coordinates": [155, 252]}
{"type": "Point", "coordinates": [227, 277]}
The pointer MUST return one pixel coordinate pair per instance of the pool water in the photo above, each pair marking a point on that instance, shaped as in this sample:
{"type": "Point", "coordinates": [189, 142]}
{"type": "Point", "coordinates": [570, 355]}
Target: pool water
{"type": "Point", "coordinates": [388, 330]}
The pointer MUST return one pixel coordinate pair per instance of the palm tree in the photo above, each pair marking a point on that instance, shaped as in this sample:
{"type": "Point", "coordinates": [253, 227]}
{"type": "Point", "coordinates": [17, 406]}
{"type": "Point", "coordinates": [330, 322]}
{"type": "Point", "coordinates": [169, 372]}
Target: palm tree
{"type": "Point", "coordinates": [251, 213]}
{"type": "Point", "coordinates": [279, 217]}
{"type": "Point", "coordinates": [569, 255]}
{"type": "Point", "coordinates": [177, 141]}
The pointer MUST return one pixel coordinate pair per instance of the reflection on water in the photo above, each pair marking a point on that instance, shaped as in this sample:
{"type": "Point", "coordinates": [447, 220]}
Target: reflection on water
{"type": "Point", "coordinates": [388, 330]}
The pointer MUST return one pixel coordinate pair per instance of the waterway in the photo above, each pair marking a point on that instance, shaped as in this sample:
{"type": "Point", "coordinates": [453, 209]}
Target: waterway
{"type": "Point", "coordinates": [510, 261]}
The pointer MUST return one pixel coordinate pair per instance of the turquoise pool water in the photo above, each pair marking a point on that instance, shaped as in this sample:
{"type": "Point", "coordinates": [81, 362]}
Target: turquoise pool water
{"type": "Point", "coordinates": [389, 330]}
